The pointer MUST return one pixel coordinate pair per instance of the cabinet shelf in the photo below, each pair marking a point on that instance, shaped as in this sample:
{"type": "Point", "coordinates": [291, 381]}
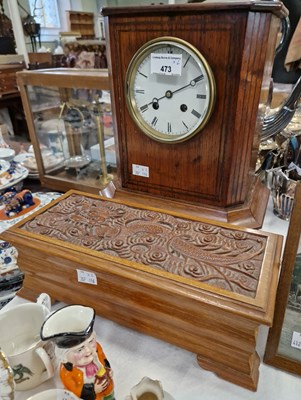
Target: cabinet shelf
{"type": "Point", "coordinates": [82, 22]}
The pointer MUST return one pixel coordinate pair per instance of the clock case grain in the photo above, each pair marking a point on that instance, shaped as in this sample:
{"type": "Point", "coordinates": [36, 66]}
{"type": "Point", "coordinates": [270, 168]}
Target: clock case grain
{"type": "Point", "coordinates": [214, 170]}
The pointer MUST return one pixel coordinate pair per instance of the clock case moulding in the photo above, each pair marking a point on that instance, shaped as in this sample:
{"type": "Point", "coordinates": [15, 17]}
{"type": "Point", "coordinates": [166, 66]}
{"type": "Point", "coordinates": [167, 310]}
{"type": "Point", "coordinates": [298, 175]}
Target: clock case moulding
{"type": "Point", "coordinates": [213, 173]}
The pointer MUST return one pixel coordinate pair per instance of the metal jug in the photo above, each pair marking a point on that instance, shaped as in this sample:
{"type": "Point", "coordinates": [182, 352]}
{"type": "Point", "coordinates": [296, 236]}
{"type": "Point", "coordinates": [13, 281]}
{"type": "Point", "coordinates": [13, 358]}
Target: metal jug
{"type": "Point", "coordinates": [278, 119]}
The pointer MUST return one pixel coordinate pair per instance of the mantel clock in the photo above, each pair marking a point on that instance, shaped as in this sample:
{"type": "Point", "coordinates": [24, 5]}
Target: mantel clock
{"type": "Point", "coordinates": [187, 82]}
{"type": "Point", "coordinates": [165, 78]}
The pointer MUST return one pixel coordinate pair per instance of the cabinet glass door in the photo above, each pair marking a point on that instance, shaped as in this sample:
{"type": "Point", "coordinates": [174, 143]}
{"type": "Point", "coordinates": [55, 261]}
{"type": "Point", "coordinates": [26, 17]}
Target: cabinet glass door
{"type": "Point", "coordinates": [74, 134]}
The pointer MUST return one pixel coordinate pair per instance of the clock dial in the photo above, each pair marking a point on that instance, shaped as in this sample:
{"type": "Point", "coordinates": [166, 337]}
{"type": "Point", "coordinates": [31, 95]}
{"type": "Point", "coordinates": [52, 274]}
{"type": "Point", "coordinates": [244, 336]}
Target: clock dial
{"type": "Point", "coordinates": [170, 90]}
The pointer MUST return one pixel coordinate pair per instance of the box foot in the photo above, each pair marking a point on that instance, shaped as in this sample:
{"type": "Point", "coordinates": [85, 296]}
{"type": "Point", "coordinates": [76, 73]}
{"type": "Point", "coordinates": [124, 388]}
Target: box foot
{"type": "Point", "coordinates": [240, 378]}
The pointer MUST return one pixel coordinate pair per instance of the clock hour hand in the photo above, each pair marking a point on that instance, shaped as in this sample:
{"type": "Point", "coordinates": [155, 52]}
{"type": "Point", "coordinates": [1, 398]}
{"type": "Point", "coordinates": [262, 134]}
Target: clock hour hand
{"type": "Point", "coordinates": [154, 102]}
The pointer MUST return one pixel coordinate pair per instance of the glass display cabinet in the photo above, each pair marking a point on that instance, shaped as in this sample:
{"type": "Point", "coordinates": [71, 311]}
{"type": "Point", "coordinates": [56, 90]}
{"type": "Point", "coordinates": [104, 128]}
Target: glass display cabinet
{"type": "Point", "coordinates": [68, 113]}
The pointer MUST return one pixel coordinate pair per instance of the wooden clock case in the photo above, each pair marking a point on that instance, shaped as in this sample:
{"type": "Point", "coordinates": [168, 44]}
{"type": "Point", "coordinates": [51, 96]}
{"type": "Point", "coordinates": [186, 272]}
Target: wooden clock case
{"type": "Point", "coordinates": [213, 172]}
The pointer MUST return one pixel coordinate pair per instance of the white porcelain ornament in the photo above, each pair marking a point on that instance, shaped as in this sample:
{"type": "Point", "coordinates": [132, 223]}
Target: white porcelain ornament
{"type": "Point", "coordinates": [147, 389]}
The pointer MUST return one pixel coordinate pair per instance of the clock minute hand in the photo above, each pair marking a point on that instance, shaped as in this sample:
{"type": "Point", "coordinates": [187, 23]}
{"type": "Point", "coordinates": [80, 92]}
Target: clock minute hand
{"type": "Point", "coordinates": [191, 83]}
{"type": "Point", "coordinates": [168, 94]}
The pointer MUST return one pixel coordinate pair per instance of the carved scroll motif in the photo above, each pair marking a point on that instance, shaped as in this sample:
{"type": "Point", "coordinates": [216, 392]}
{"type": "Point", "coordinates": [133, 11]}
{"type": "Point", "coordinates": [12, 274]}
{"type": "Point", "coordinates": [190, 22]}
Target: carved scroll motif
{"type": "Point", "coordinates": [225, 258]}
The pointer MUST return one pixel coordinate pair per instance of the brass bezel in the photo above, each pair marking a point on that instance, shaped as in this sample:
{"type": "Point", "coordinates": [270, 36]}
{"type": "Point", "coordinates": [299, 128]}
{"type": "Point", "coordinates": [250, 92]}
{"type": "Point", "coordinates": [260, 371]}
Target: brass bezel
{"type": "Point", "coordinates": [143, 52]}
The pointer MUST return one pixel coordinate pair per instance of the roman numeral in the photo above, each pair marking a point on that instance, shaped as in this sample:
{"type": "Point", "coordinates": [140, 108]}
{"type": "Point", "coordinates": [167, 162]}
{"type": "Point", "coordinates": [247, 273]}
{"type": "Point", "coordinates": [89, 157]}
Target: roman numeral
{"type": "Point", "coordinates": [199, 78]}
{"type": "Point", "coordinates": [144, 108]}
{"type": "Point", "coordinates": [201, 96]}
{"type": "Point", "coordinates": [140, 91]}
{"type": "Point", "coordinates": [185, 125]}
{"type": "Point", "coordinates": [196, 114]}
{"type": "Point", "coordinates": [168, 127]}
{"type": "Point", "coordinates": [142, 74]}
{"type": "Point", "coordinates": [154, 121]}
{"type": "Point", "coordinates": [186, 62]}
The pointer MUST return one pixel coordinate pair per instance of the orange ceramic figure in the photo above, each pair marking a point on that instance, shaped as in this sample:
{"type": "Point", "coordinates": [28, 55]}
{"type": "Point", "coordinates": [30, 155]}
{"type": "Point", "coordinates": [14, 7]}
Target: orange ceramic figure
{"type": "Point", "coordinates": [86, 372]}
{"type": "Point", "coordinates": [84, 368]}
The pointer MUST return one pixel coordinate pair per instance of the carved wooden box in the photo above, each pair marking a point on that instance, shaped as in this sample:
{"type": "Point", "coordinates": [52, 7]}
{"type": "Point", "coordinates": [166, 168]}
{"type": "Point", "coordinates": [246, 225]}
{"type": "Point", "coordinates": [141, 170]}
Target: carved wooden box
{"type": "Point", "coordinates": [202, 286]}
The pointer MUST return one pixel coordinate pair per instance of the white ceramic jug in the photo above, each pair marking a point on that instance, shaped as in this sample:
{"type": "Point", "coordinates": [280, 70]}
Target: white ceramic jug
{"type": "Point", "coordinates": [147, 389]}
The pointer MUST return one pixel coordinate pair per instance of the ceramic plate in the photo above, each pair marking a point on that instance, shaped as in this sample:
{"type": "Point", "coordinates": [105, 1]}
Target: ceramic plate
{"type": "Point", "coordinates": [51, 162]}
{"type": "Point", "coordinates": [54, 394]}
{"type": "Point", "coordinates": [7, 154]}
{"type": "Point", "coordinates": [11, 179]}
{"type": "Point", "coordinates": [6, 379]}
{"type": "Point", "coordinates": [21, 157]}
{"type": "Point", "coordinates": [4, 300]}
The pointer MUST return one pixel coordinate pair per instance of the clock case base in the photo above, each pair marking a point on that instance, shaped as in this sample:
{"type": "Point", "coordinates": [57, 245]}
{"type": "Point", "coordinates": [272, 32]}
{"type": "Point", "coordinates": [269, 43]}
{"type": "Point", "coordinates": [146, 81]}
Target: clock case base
{"type": "Point", "coordinates": [249, 214]}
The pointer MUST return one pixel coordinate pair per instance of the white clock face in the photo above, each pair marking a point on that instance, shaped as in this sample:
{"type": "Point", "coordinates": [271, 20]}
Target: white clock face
{"type": "Point", "coordinates": [170, 90]}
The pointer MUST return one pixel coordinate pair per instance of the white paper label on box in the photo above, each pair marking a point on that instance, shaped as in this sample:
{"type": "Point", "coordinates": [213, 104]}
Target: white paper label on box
{"type": "Point", "coordinates": [166, 64]}
{"type": "Point", "coordinates": [296, 340]}
{"type": "Point", "coordinates": [86, 277]}
{"type": "Point", "coordinates": [140, 170]}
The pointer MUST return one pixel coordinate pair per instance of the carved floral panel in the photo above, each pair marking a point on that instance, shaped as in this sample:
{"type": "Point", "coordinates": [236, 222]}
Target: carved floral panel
{"type": "Point", "coordinates": [226, 258]}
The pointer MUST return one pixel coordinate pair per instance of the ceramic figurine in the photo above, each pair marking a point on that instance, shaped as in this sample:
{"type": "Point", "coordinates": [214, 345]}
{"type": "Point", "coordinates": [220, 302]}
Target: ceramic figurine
{"type": "Point", "coordinates": [16, 202]}
{"type": "Point", "coordinates": [84, 368]}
